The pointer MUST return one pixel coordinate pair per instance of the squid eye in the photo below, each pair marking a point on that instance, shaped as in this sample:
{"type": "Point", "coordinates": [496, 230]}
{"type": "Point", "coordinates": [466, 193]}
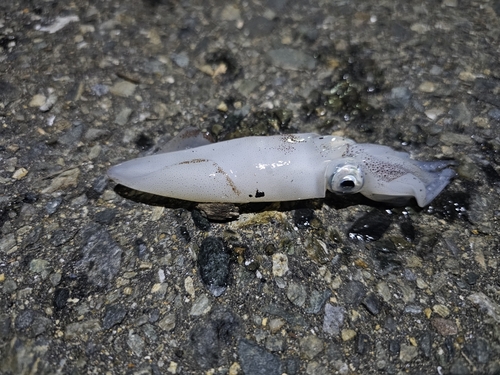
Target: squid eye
{"type": "Point", "coordinates": [346, 179]}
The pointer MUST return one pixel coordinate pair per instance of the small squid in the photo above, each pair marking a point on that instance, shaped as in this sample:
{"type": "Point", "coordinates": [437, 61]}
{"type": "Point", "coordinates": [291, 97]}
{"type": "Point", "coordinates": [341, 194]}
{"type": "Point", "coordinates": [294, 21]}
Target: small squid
{"type": "Point", "coordinates": [285, 168]}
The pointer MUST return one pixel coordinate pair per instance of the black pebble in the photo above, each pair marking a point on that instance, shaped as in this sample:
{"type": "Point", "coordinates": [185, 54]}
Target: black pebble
{"type": "Point", "coordinates": [143, 142]}
{"type": "Point", "coordinates": [362, 343]}
{"type": "Point", "coordinates": [141, 248]}
{"type": "Point", "coordinates": [114, 315]}
{"type": "Point", "coordinates": [61, 296]}
{"type": "Point", "coordinates": [98, 187]}
{"type": "Point", "coordinates": [213, 262]}
{"type": "Point", "coordinates": [371, 226]}
{"type": "Point", "coordinates": [200, 221]}
{"type": "Point", "coordinates": [185, 233]}
{"type": "Point", "coordinates": [354, 292]}
{"type": "Point", "coordinates": [106, 216]}
{"type": "Point", "coordinates": [302, 217]}
{"type": "Point", "coordinates": [372, 304]}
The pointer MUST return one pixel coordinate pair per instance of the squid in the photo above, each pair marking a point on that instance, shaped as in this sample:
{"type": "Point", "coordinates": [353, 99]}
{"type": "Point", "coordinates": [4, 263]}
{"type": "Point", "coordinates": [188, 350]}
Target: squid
{"type": "Point", "coordinates": [285, 168]}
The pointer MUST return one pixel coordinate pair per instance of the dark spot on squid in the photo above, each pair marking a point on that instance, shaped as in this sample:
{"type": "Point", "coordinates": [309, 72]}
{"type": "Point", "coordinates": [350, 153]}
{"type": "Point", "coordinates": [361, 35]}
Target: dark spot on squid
{"type": "Point", "coordinates": [259, 194]}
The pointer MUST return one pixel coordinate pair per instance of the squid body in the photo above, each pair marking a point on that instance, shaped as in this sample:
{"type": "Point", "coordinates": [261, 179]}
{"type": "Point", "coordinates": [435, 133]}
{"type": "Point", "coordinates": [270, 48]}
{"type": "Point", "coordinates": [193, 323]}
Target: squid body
{"type": "Point", "coordinates": [284, 168]}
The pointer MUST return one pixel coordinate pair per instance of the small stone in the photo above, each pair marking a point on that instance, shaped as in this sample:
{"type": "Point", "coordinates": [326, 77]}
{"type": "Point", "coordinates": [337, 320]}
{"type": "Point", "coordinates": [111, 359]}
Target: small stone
{"type": "Point", "coordinates": [230, 13]}
{"type": "Point", "coordinates": [168, 322]}
{"type": "Point", "coordinates": [441, 310]}
{"type": "Point", "coordinates": [256, 360]}
{"type": "Point", "coordinates": [275, 343]}
{"type": "Point", "coordinates": [311, 346]}
{"type": "Point", "coordinates": [123, 116]}
{"type": "Point", "coordinates": [201, 306]}
{"type": "Point", "coordinates": [372, 304]}
{"type": "Point", "coordinates": [123, 88]}
{"type": "Point", "coordinates": [445, 327]}
{"type": "Point", "coordinates": [7, 243]}
{"type": "Point", "coordinates": [317, 301]}
{"type": "Point", "coordinates": [290, 59]}
{"type": "Point", "coordinates": [180, 59]}
{"type": "Point", "coordinates": [114, 316]}
{"type": "Point", "coordinates": [296, 294]}
{"type": "Point", "coordinates": [407, 352]}
{"type": "Point", "coordinates": [348, 334]}
{"type": "Point", "coordinates": [52, 206]}
{"type": "Point", "coordinates": [213, 263]}
{"type": "Point", "coordinates": [276, 324]}
{"type": "Point", "coordinates": [222, 107]}
{"type": "Point", "coordinates": [427, 87]}
{"type": "Point", "coordinates": [37, 101]}
{"type": "Point", "coordinates": [280, 264]}
{"type": "Point", "coordinates": [434, 113]}
{"type": "Point", "coordinates": [20, 173]}
{"type": "Point", "coordinates": [353, 292]}
{"type": "Point", "coordinates": [81, 330]}
{"type": "Point", "coordinates": [333, 319]}
{"type": "Point", "coordinates": [101, 255]}
{"type": "Point", "coordinates": [450, 3]}
{"type": "Point", "coordinates": [135, 343]}
{"type": "Point", "coordinates": [64, 180]}
{"type": "Point", "coordinates": [61, 296]}
{"type": "Point", "coordinates": [40, 266]}
{"type": "Point", "coordinates": [189, 286]}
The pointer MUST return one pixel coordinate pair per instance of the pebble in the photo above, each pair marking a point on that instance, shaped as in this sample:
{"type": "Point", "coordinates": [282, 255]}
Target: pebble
{"type": "Point", "coordinates": [106, 216]}
{"type": "Point", "coordinates": [201, 306]}
{"type": "Point", "coordinates": [445, 327]}
{"type": "Point", "coordinates": [135, 343]}
{"type": "Point", "coordinates": [123, 116]}
{"type": "Point", "coordinates": [81, 330]}
{"type": "Point", "coordinates": [353, 292]}
{"type": "Point", "coordinates": [8, 243]}
{"type": "Point", "coordinates": [370, 227]}
{"type": "Point", "coordinates": [400, 97]}
{"type": "Point", "coordinates": [347, 334]}
{"type": "Point", "coordinates": [275, 343]}
{"type": "Point", "coordinates": [276, 324]}
{"type": "Point", "coordinates": [311, 346]}
{"type": "Point", "coordinates": [114, 316]}
{"type": "Point", "coordinates": [296, 293]}
{"type": "Point", "coordinates": [64, 180]}
{"type": "Point", "coordinates": [290, 59]}
{"type": "Point", "coordinates": [213, 263]}
{"type": "Point", "coordinates": [19, 174]}
{"type": "Point", "coordinates": [123, 88]}
{"type": "Point", "coordinates": [317, 300]}
{"type": "Point", "coordinates": [280, 265]}
{"type": "Point", "coordinates": [441, 310]}
{"type": "Point", "coordinates": [256, 360]}
{"type": "Point", "coordinates": [407, 352]}
{"type": "Point", "coordinates": [180, 59]}
{"type": "Point", "coordinates": [212, 336]}
{"type": "Point", "coordinates": [167, 323]}
{"type": "Point", "coordinates": [333, 319]}
{"type": "Point", "coordinates": [52, 206]}
{"type": "Point", "coordinates": [60, 299]}
{"type": "Point", "coordinates": [41, 266]}
{"type": "Point", "coordinates": [363, 343]}
{"type": "Point", "coordinates": [372, 304]}
{"type": "Point", "coordinates": [427, 87]}
{"type": "Point", "coordinates": [37, 100]}
{"type": "Point", "coordinates": [101, 256]}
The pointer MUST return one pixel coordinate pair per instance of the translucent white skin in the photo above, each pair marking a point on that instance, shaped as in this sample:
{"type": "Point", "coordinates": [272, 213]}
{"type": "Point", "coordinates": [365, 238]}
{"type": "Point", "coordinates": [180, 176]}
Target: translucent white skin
{"type": "Point", "coordinates": [281, 168]}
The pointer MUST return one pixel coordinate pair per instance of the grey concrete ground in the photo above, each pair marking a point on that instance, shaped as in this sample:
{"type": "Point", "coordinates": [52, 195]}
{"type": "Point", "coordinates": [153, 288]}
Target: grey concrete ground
{"type": "Point", "coordinates": [98, 280]}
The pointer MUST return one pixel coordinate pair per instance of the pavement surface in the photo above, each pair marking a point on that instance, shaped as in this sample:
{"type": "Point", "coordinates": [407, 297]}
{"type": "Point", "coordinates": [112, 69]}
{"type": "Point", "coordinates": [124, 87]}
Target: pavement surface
{"type": "Point", "coordinates": [100, 279]}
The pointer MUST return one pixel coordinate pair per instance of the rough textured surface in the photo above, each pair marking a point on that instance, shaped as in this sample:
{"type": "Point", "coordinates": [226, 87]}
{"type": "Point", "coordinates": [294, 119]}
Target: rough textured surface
{"type": "Point", "coordinates": [98, 280]}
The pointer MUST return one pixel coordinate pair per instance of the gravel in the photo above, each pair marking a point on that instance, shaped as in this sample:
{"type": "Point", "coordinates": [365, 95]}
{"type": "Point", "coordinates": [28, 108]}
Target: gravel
{"type": "Point", "coordinates": [98, 278]}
